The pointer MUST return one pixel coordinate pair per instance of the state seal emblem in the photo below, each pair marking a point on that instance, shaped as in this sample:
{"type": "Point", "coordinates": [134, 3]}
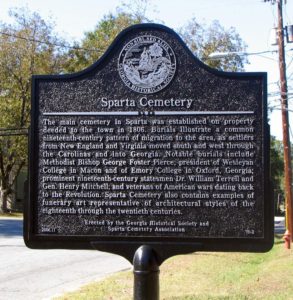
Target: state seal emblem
{"type": "Point", "coordinates": [147, 64]}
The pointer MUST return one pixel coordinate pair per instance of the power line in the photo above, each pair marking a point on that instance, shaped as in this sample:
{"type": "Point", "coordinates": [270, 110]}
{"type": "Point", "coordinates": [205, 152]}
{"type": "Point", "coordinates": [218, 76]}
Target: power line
{"type": "Point", "coordinates": [13, 134]}
{"type": "Point", "coordinates": [13, 128]}
{"type": "Point", "coordinates": [288, 65]}
{"type": "Point", "coordinates": [290, 129]}
{"type": "Point", "coordinates": [51, 44]}
{"type": "Point", "coordinates": [102, 51]}
{"type": "Point", "coordinates": [13, 131]}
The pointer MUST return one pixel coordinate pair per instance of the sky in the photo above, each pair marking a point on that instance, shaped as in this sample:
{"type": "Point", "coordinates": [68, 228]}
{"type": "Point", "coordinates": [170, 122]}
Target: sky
{"type": "Point", "coordinates": [252, 19]}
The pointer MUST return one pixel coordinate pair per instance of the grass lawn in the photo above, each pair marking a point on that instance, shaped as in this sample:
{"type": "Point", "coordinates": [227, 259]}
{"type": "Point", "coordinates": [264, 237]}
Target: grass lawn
{"type": "Point", "coordinates": [208, 275]}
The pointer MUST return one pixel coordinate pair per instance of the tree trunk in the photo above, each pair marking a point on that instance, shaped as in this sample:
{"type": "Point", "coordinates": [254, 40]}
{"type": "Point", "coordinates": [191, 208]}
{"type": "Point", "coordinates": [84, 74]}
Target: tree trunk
{"type": "Point", "coordinates": [8, 182]}
{"type": "Point", "coordinates": [4, 201]}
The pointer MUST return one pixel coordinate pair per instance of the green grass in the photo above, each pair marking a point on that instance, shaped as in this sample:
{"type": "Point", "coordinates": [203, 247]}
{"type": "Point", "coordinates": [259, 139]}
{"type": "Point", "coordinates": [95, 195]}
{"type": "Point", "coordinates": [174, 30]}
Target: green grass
{"type": "Point", "coordinates": [208, 276]}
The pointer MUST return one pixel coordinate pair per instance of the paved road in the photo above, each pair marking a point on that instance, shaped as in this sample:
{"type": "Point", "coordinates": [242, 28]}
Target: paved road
{"type": "Point", "coordinates": [41, 274]}
{"type": "Point", "coordinates": [280, 225]}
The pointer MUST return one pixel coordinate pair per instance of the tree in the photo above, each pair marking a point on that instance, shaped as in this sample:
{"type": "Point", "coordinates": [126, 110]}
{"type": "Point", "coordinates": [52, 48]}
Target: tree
{"type": "Point", "coordinates": [26, 47]}
{"type": "Point", "coordinates": [30, 47]}
{"type": "Point", "coordinates": [277, 167]}
{"type": "Point", "coordinates": [96, 42]}
{"type": "Point", "coordinates": [201, 39]}
{"type": "Point", "coordinates": [204, 40]}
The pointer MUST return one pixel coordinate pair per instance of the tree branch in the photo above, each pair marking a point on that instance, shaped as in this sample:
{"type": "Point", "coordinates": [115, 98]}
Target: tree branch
{"type": "Point", "coordinates": [21, 164]}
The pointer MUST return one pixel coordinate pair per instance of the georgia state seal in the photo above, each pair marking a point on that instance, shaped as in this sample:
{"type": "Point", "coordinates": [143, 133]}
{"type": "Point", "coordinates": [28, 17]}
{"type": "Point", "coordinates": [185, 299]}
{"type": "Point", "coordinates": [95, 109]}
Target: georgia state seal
{"type": "Point", "coordinates": [147, 64]}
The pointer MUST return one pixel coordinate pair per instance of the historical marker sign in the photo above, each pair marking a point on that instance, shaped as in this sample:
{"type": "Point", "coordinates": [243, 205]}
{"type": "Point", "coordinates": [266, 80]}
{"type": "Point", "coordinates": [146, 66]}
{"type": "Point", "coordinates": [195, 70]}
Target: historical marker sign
{"type": "Point", "coordinates": [150, 146]}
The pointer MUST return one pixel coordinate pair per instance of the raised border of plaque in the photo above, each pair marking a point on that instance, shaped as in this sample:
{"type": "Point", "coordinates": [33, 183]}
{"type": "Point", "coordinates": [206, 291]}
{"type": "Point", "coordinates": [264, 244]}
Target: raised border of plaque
{"type": "Point", "coordinates": [122, 51]}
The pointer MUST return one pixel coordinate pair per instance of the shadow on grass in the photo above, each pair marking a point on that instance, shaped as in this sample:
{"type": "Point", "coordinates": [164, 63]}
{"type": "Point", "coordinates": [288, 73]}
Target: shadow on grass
{"type": "Point", "coordinates": [203, 297]}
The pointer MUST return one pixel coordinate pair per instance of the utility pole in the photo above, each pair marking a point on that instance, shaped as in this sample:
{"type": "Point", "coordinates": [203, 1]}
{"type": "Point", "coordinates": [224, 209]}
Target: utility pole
{"type": "Point", "coordinates": [285, 123]}
{"type": "Point", "coordinates": [285, 120]}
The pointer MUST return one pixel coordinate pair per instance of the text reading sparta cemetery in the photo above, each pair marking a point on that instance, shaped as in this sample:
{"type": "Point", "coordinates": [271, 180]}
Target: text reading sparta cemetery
{"type": "Point", "coordinates": [149, 143]}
